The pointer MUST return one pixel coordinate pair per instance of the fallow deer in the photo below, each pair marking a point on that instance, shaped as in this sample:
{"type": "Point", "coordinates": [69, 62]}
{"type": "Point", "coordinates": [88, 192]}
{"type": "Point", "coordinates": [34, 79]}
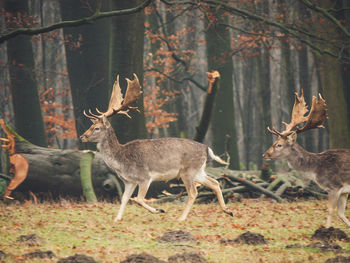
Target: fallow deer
{"type": "Point", "coordinates": [329, 169]}
{"type": "Point", "coordinates": [140, 162]}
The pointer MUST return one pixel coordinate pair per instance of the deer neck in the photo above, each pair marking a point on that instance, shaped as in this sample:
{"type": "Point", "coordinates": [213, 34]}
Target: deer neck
{"type": "Point", "coordinates": [302, 160]}
{"type": "Point", "coordinates": [109, 143]}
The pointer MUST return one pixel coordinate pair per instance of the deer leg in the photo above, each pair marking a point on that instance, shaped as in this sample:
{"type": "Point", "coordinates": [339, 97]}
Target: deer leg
{"type": "Point", "coordinates": [129, 189]}
{"type": "Point", "coordinates": [215, 186]}
{"type": "Point", "coordinates": [140, 199]}
{"type": "Point", "coordinates": [191, 196]}
{"type": "Point", "coordinates": [341, 208]}
{"type": "Point", "coordinates": [332, 202]}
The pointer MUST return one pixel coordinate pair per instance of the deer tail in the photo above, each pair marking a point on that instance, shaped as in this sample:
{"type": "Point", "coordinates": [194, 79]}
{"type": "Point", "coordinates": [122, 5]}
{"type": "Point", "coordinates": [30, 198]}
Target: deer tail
{"type": "Point", "coordinates": [215, 157]}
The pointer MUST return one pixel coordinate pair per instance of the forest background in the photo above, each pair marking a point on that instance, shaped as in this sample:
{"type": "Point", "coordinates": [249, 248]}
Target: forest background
{"type": "Point", "coordinates": [61, 57]}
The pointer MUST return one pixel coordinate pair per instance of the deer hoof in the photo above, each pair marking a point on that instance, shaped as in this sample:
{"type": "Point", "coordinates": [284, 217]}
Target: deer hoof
{"type": "Point", "coordinates": [160, 210]}
{"type": "Point", "coordinates": [229, 212]}
{"type": "Point", "coordinates": [116, 219]}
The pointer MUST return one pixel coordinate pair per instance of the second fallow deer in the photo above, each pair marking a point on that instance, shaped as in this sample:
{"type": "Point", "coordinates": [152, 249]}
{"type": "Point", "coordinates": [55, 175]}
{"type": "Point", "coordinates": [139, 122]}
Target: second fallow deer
{"type": "Point", "coordinates": [140, 162]}
{"type": "Point", "coordinates": [329, 169]}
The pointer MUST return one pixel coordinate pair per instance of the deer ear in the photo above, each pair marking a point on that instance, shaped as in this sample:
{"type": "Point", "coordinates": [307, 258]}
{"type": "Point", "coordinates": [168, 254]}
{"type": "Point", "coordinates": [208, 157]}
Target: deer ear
{"type": "Point", "coordinates": [292, 138]}
{"type": "Point", "coordinates": [105, 121]}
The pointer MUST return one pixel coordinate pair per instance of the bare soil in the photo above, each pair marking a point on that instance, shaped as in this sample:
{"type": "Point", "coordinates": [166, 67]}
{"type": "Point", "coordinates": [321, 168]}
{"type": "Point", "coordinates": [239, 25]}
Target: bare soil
{"type": "Point", "coordinates": [31, 240]}
{"type": "Point", "coordinates": [330, 234]}
{"type": "Point", "coordinates": [176, 236]}
{"type": "Point", "coordinates": [40, 254]}
{"type": "Point", "coordinates": [142, 258]}
{"type": "Point", "coordinates": [187, 257]}
{"type": "Point", "coordinates": [248, 238]}
{"type": "Point", "coordinates": [325, 246]}
{"type": "Point", "coordinates": [2, 255]}
{"type": "Point", "coordinates": [338, 259]}
{"type": "Point", "coordinates": [77, 258]}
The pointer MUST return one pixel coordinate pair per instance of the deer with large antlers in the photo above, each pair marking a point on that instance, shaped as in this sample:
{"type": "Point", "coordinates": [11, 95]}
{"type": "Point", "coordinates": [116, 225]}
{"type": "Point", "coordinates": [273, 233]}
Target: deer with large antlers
{"type": "Point", "coordinates": [329, 169]}
{"type": "Point", "coordinates": [140, 162]}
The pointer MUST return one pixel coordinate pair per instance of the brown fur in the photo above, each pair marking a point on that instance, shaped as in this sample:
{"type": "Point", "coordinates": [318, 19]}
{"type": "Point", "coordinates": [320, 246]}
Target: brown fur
{"type": "Point", "coordinates": [329, 169]}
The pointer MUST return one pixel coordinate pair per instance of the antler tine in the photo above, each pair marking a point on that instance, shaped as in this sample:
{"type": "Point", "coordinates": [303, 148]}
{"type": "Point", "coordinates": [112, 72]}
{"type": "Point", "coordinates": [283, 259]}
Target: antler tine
{"type": "Point", "coordinates": [94, 115]}
{"type": "Point", "coordinates": [90, 117]}
{"type": "Point", "coordinates": [98, 111]}
{"type": "Point", "coordinates": [317, 115]}
{"type": "Point", "coordinates": [275, 132]}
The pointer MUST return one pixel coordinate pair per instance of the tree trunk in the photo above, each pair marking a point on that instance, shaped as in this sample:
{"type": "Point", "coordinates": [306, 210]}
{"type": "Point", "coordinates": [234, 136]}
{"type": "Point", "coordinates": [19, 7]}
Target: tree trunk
{"type": "Point", "coordinates": [25, 99]}
{"type": "Point", "coordinates": [50, 66]}
{"type": "Point", "coordinates": [126, 58]}
{"type": "Point", "coordinates": [333, 87]}
{"type": "Point", "coordinates": [304, 77]}
{"type": "Point", "coordinates": [287, 66]}
{"type": "Point", "coordinates": [248, 109]}
{"type": "Point", "coordinates": [333, 91]}
{"type": "Point", "coordinates": [87, 62]}
{"type": "Point", "coordinates": [346, 67]}
{"type": "Point", "coordinates": [264, 104]}
{"type": "Point", "coordinates": [202, 128]}
{"type": "Point", "coordinates": [223, 125]}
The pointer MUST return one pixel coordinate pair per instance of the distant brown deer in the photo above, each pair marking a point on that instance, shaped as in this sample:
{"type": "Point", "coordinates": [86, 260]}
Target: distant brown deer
{"type": "Point", "coordinates": [329, 169]}
{"type": "Point", "coordinates": [140, 162]}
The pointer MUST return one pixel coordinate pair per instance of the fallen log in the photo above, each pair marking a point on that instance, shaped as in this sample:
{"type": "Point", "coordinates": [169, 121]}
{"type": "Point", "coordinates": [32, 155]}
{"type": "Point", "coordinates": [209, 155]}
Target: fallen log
{"type": "Point", "coordinates": [56, 173]}
{"type": "Point", "coordinates": [227, 173]}
{"type": "Point", "coordinates": [256, 187]}
{"type": "Point", "coordinates": [280, 191]}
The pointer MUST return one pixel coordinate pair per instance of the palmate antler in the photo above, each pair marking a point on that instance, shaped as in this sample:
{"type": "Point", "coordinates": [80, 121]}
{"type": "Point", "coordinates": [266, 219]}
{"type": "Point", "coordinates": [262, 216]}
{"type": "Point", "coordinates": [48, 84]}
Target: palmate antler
{"type": "Point", "coordinates": [118, 105]}
{"type": "Point", "coordinates": [315, 118]}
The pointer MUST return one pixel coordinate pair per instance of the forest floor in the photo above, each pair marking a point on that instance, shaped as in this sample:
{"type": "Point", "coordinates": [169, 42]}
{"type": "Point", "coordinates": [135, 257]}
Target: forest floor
{"type": "Point", "coordinates": [50, 232]}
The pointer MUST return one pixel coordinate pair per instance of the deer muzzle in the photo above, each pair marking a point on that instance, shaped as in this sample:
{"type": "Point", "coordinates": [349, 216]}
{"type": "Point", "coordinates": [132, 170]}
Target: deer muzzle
{"type": "Point", "coordinates": [83, 138]}
{"type": "Point", "coordinates": [267, 156]}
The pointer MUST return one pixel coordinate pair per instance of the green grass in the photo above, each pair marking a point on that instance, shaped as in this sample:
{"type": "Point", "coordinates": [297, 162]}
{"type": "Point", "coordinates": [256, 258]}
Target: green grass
{"type": "Point", "coordinates": [80, 228]}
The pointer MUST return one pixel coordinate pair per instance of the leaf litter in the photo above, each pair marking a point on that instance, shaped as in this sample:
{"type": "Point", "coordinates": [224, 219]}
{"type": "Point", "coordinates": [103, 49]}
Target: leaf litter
{"type": "Point", "coordinates": [50, 221]}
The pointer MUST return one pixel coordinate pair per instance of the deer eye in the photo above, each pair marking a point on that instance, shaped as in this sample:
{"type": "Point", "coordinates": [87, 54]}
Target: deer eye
{"type": "Point", "coordinates": [97, 129]}
{"type": "Point", "coordinates": [279, 145]}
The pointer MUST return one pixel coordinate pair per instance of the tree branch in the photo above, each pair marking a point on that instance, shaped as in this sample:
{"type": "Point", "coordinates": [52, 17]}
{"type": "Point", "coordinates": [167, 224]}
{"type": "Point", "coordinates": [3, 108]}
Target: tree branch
{"type": "Point", "coordinates": [188, 78]}
{"type": "Point", "coordinates": [327, 15]}
{"type": "Point", "coordinates": [291, 30]}
{"type": "Point", "coordinates": [97, 15]}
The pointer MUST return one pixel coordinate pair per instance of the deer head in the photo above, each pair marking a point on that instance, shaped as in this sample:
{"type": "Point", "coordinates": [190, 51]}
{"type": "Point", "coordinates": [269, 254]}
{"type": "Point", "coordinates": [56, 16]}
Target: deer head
{"type": "Point", "coordinates": [282, 147]}
{"type": "Point", "coordinates": [117, 105]}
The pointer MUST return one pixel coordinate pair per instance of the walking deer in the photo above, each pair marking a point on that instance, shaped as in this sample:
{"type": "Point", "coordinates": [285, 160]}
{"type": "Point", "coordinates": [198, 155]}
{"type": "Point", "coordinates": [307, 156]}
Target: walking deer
{"type": "Point", "coordinates": [329, 169]}
{"type": "Point", "coordinates": [140, 162]}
